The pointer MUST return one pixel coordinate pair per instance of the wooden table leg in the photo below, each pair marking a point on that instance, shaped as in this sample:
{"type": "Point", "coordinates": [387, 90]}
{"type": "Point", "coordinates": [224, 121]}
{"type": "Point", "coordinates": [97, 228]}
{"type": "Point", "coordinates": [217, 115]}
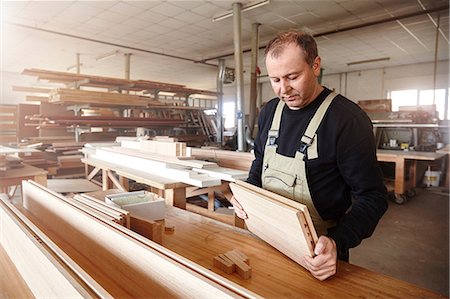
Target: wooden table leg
{"type": "Point", "coordinates": [399, 185]}
{"type": "Point", "coordinates": [176, 197]}
{"type": "Point", "coordinates": [41, 179]}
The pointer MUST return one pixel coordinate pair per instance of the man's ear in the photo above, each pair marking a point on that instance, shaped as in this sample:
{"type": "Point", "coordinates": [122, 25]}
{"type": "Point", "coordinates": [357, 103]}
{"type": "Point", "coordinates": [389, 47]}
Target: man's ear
{"type": "Point", "coordinates": [316, 66]}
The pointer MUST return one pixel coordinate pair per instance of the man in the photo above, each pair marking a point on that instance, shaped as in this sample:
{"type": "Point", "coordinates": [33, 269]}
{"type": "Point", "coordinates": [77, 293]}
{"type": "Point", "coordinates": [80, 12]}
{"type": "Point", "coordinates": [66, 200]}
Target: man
{"type": "Point", "coordinates": [317, 148]}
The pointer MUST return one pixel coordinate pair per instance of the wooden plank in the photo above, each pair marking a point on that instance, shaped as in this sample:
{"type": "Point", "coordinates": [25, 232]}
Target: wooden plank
{"type": "Point", "coordinates": [71, 185]}
{"type": "Point", "coordinates": [276, 222]}
{"type": "Point", "coordinates": [292, 203]}
{"type": "Point", "coordinates": [162, 157]}
{"type": "Point", "coordinates": [131, 266]}
{"type": "Point", "coordinates": [120, 217]}
{"type": "Point", "coordinates": [160, 168]}
{"type": "Point", "coordinates": [44, 274]}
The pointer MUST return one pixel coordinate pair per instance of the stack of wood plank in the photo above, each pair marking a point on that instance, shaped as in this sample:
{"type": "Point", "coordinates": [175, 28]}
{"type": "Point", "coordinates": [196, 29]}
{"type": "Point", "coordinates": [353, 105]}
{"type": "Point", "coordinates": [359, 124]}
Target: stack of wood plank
{"type": "Point", "coordinates": [62, 249]}
{"type": "Point", "coordinates": [8, 124]}
{"type": "Point", "coordinates": [76, 96]}
{"type": "Point", "coordinates": [112, 83]}
{"type": "Point", "coordinates": [40, 159]}
{"type": "Point", "coordinates": [8, 162]}
{"type": "Point", "coordinates": [148, 156]}
{"type": "Point", "coordinates": [105, 121]}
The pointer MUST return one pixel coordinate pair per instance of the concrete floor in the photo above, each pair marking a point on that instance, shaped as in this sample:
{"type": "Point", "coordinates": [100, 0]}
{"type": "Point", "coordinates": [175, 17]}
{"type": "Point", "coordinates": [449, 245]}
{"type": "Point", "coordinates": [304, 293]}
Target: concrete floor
{"type": "Point", "coordinates": [411, 242]}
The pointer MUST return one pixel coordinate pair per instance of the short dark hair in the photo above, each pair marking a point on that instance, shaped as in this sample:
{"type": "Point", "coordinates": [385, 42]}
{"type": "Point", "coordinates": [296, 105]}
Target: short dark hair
{"type": "Point", "coordinates": [302, 39]}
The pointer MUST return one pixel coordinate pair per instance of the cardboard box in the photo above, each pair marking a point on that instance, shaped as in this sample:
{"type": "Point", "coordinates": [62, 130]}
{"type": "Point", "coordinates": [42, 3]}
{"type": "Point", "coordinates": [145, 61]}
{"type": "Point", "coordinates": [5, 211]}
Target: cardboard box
{"type": "Point", "coordinates": [141, 204]}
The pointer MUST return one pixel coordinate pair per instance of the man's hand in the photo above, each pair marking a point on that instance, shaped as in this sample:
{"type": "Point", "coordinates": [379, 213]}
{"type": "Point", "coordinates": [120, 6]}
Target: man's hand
{"type": "Point", "coordinates": [238, 208]}
{"type": "Point", "coordinates": [323, 265]}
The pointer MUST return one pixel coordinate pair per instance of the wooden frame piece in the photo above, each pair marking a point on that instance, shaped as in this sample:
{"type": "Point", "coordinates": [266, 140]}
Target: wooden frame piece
{"type": "Point", "coordinates": [284, 225]}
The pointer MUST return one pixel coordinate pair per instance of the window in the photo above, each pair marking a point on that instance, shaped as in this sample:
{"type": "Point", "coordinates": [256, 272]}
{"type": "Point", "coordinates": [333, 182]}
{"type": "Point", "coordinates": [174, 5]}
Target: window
{"type": "Point", "coordinates": [414, 97]}
{"type": "Point", "coordinates": [229, 113]}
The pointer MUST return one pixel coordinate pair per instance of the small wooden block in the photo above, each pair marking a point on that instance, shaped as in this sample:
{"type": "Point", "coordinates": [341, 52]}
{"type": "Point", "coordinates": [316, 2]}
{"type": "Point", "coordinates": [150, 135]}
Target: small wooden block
{"type": "Point", "coordinates": [169, 229]}
{"type": "Point", "coordinates": [242, 256]}
{"type": "Point", "coordinates": [242, 269]}
{"type": "Point", "coordinates": [150, 229]}
{"type": "Point", "coordinates": [224, 264]}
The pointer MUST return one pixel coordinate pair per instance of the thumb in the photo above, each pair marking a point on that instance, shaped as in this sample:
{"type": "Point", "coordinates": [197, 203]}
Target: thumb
{"type": "Point", "coordinates": [320, 246]}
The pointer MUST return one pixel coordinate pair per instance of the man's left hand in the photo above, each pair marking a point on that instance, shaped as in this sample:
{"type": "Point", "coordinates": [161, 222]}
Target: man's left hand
{"type": "Point", "coordinates": [323, 265]}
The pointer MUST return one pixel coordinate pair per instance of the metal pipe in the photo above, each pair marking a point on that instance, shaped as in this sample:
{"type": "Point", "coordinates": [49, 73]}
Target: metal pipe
{"type": "Point", "coordinates": [78, 63]}
{"type": "Point", "coordinates": [127, 65]}
{"type": "Point", "coordinates": [436, 57]}
{"type": "Point", "coordinates": [219, 115]}
{"type": "Point", "coordinates": [239, 71]}
{"type": "Point", "coordinates": [253, 78]}
{"type": "Point", "coordinates": [392, 19]}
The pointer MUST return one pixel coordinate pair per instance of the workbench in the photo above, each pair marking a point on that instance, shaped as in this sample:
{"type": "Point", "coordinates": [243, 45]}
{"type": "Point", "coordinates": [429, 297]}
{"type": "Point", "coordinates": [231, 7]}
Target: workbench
{"type": "Point", "coordinates": [14, 177]}
{"type": "Point", "coordinates": [173, 191]}
{"type": "Point", "coordinates": [199, 239]}
{"type": "Point", "coordinates": [403, 186]}
{"type": "Point", "coordinates": [274, 275]}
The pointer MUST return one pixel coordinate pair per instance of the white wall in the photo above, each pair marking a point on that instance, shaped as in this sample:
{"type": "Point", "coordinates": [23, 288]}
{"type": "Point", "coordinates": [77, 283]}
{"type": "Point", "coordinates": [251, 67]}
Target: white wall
{"type": "Point", "coordinates": [375, 84]}
{"type": "Point", "coordinates": [365, 84]}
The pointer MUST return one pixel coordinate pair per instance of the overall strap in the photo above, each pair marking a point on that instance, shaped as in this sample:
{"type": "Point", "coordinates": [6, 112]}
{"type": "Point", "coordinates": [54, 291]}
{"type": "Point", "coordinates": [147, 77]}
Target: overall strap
{"type": "Point", "coordinates": [310, 134]}
{"type": "Point", "coordinates": [275, 126]}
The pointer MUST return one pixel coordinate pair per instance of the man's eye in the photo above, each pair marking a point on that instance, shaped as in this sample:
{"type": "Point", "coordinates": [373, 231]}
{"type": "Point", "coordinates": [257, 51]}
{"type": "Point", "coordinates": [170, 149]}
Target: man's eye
{"type": "Point", "coordinates": [293, 77]}
{"type": "Point", "coordinates": [275, 80]}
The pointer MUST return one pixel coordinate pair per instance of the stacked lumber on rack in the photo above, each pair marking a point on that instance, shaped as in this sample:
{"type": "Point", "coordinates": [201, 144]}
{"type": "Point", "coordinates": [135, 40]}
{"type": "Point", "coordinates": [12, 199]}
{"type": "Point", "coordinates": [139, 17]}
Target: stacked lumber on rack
{"type": "Point", "coordinates": [113, 261]}
{"type": "Point", "coordinates": [77, 96]}
{"type": "Point", "coordinates": [105, 121]}
{"type": "Point", "coordinates": [109, 83]}
{"type": "Point", "coordinates": [8, 124]}
{"type": "Point", "coordinates": [9, 162]}
{"type": "Point", "coordinates": [283, 223]}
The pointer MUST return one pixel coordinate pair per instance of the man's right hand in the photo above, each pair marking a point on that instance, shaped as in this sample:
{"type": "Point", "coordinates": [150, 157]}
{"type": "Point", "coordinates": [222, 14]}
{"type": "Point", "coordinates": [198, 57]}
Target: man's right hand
{"type": "Point", "coordinates": [238, 210]}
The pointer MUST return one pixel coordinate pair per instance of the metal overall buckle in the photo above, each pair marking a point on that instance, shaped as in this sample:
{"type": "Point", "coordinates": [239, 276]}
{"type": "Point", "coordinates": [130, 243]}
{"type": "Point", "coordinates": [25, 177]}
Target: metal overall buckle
{"type": "Point", "coordinates": [273, 136]}
{"type": "Point", "coordinates": [304, 145]}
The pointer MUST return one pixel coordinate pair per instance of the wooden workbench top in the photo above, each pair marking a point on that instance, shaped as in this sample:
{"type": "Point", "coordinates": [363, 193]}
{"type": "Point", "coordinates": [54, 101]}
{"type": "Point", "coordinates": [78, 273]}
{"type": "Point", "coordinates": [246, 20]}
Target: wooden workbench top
{"type": "Point", "coordinates": [413, 155]}
{"type": "Point", "coordinates": [273, 274]}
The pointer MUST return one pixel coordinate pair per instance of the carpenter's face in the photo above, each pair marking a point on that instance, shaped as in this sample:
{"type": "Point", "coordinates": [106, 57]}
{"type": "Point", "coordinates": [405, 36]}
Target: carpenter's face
{"type": "Point", "coordinates": [293, 80]}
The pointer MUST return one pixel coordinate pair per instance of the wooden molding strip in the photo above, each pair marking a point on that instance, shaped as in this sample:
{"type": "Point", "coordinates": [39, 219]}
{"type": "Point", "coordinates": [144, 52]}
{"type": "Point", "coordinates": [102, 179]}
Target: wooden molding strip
{"type": "Point", "coordinates": [46, 269]}
{"type": "Point", "coordinates": [120, 260]}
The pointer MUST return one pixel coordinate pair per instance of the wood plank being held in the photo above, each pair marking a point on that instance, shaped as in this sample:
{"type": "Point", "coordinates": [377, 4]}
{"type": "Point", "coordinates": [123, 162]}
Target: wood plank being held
{"type": "Point", "coordinates": [284, 224]}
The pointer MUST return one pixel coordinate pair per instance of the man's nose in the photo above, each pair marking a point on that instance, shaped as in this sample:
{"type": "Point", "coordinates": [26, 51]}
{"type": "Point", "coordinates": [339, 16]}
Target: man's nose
{"type": "Point", "coordinates": [285, 87]}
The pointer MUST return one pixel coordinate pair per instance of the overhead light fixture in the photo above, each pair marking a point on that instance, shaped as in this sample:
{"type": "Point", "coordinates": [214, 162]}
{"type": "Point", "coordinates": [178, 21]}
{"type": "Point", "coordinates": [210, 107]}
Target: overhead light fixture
{"type": "Point", "coordinates": [107, 55]}
{"type": "Point", "coordinates": [247, 7]}
{"type": "Point", "coordinates": [368, 61]}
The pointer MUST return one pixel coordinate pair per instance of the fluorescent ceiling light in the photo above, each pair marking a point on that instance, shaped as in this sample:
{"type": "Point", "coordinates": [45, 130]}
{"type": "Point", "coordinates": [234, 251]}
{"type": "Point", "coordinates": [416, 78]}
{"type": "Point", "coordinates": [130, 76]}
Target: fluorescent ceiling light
{"type": "Point", "coordinates": [369, 60]}
{"type": "Point", "coordinates": [107, 55]}
{"type": "Point", "coordinates": [249, 6]}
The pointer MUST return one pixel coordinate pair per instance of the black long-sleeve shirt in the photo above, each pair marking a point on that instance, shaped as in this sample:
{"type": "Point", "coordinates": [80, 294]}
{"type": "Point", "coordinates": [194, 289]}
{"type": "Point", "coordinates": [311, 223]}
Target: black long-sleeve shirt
{"type": "Point", "coordinates": [346, 169]}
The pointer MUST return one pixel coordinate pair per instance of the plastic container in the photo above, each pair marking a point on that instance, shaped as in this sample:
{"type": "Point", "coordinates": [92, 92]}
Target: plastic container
{"type": "Point", "coordinates": [432, 178]}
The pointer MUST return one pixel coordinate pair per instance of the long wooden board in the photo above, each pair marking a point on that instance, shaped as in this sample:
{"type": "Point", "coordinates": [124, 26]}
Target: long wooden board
{"type": "Point", "coordinates": [125, 264]}
{"type": "Point", "coordinates": [283, 226]}
{"type": "Point", "coordinates": [47, 271]}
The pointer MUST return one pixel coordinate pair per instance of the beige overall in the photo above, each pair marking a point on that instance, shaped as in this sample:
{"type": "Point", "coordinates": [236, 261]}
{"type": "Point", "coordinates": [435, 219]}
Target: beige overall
{"type": "Point", "coordinates": [287, 176]}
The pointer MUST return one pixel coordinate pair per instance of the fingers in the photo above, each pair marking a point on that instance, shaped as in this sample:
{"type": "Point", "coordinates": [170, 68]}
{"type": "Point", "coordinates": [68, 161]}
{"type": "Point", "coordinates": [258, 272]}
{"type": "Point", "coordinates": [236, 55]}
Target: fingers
{"type": "Point", "coordinates": [238, 210]}
{"type": "Point", "coordinates": [324, 264]}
